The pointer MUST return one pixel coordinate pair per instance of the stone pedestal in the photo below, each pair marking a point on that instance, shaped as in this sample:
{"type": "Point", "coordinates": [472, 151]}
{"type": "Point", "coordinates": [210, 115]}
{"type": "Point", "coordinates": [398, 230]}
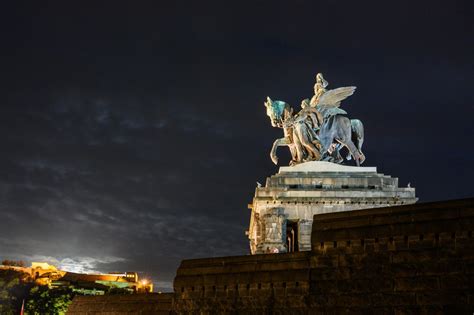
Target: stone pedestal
{"type": "Point", "coordinates": [283, 210]}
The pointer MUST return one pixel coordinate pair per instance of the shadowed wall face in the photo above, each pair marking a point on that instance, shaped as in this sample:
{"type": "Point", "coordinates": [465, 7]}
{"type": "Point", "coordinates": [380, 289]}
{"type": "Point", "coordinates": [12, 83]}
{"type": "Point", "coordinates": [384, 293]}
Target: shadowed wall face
{"type": "Point", "coordinates": [136, 304]}
{"type": "Point", "coordinates": [414, 258]}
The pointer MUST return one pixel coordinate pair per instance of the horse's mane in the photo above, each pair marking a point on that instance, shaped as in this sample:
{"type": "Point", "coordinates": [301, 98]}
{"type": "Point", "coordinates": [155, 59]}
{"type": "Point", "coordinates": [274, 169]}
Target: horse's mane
{"type": "Point", "coordinates": [281, 105]}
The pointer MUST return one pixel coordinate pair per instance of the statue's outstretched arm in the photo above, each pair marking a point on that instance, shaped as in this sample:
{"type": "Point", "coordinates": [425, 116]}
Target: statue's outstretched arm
{"type": "Point", "coordinates": [278, 143]}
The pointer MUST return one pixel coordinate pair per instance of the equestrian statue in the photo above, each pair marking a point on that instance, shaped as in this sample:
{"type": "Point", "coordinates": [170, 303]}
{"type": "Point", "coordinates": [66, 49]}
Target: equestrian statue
{"type": "Point", "coordinates": [320, 129]}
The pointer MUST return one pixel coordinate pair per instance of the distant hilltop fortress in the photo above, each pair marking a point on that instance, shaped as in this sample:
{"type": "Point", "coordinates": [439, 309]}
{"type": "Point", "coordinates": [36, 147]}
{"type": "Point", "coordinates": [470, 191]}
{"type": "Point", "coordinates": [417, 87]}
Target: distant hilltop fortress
{"type": "Point", "coordinates": [90, 284]}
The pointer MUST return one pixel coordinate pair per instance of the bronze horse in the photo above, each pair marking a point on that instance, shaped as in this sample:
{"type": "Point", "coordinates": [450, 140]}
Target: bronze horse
{"type": "Point", "coordinates": [336, 131]}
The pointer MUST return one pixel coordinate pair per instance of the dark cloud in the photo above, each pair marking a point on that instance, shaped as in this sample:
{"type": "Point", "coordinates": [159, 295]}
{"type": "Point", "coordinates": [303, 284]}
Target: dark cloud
{"type": "Point", "coordinates": [132, 136]}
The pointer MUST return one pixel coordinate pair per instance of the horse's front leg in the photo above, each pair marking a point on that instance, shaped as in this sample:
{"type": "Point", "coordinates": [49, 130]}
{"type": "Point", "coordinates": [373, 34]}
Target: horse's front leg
{"type": "Point", "coordinates": [278, 143]}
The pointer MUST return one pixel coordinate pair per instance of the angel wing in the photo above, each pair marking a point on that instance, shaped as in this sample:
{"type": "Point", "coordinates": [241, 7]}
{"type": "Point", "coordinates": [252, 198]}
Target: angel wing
{"type": "Point", "coordinates": [333, 98]}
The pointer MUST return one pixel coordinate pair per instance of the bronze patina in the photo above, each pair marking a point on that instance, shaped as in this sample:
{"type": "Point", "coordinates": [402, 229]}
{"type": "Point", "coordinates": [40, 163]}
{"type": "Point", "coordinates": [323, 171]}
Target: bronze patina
{"type": "Point", "coordinates": [320, 129]}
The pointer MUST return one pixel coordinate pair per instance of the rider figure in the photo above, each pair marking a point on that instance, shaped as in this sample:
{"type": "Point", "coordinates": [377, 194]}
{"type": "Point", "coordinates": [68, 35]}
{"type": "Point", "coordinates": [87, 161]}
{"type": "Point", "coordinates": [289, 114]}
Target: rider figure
{"type": "Point", "coordinates": [310, 115]}
{"type": "Point", "coordinates": [312, 119]}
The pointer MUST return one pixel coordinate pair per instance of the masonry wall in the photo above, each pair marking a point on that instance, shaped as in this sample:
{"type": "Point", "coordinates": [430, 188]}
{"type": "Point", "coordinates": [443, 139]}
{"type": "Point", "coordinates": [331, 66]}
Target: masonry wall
{"type": "Point", "coordinates": [414, 259]}
{"type": "Point", "coordinates": [130, 304]}
{"type": "Point", "coordinates": [263, 284]}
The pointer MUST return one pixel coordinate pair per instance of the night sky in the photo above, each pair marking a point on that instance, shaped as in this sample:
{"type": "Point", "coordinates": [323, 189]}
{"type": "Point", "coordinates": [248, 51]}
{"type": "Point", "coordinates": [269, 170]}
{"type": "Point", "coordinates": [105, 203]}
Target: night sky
{"type": "Point", "coordinates": [133, 134]}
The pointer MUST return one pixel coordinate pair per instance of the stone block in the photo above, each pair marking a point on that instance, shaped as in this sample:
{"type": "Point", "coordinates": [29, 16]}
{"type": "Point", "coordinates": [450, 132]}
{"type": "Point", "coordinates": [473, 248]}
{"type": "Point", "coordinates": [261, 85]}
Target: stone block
{"type": "Point", "coordinates": [122, 304]}
{"type": "Point", "coordinates": [442, 298]}
{"type": "Point", "coordinates": [324, 261]}
{"type": "Point", "coordinates": [406, 256]}
{"type": "Point", "coordinates": [325, 273]}
{"type": "Point", "coordinates": [400, 242]}
{"type": "Point", "coordinates": [324, 287]}
{"type": "Point", "coordinates": [405, 270]}
{"type": "Point", "coordinates": [352, 300]}
{"type": "Point", "coordinates": [351, 260]}
{"type": "Point", "coordinates": [393, 299]}
{"type": "Point", "coordinates": [465, 244]}
{"type": "Point", "coordinates": [459, 281]}
{"type": "Point", "coordinates": [428, 283]}
{"type": "Point", "coordinates": [410, 310]}
{"type": "Point", "coordinates": [297, 291]}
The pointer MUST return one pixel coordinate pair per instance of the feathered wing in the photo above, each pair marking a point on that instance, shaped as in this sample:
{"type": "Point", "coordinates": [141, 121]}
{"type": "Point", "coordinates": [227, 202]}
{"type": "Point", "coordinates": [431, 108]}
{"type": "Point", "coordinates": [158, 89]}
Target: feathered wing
{"type": "Point", "coordinates": [333, 98]}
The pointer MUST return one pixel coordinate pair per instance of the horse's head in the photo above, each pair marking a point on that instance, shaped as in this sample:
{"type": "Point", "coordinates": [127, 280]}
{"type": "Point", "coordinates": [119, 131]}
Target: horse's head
{"type": "Point", "coordinates": [275, 110]}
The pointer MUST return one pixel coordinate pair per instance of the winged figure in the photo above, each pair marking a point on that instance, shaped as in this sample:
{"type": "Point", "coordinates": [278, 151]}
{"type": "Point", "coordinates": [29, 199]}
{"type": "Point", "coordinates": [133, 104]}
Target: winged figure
{"type": "Point", "coordinates": [328, 102]}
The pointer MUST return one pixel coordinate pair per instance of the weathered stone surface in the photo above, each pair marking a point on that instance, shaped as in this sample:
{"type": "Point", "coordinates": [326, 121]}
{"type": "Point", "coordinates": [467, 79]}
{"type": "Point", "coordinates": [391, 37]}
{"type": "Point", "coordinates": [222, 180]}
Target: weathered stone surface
{"type": "Point", "coordinates": [381, 264]}
{"type": "Point", "coordinates": [291, 198]}
{"type": "Point", "coordinates": [130, 304]}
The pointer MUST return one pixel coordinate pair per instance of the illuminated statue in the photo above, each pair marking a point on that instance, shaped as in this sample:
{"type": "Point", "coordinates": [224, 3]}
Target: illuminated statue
{"type": "Point", "coordinates": [320, 129]}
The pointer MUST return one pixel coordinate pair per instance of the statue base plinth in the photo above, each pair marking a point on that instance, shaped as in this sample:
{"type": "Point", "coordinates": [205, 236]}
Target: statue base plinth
{"type": "Point", "coordinates": [325, 167]}
{"type": "Point", "coordinates": [285, 206]}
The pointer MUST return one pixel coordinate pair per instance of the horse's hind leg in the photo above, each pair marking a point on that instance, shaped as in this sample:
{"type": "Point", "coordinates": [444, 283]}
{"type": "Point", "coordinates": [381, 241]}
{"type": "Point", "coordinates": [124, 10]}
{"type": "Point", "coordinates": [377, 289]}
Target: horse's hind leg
{"type": "Point", "coordinates": [352, 149]}
{"type": "Point", "coordinates": [358, 146]}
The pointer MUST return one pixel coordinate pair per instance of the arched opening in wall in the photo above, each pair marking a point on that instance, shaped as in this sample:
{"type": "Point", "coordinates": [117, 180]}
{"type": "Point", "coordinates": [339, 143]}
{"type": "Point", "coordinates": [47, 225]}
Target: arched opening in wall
{"type": "Point", "coordinates": [292, 236]}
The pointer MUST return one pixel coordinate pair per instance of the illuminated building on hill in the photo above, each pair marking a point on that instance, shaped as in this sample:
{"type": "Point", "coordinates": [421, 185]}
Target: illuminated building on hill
{"type": "Point", "coordinates": [93, 284]}
{"type": "Point", "coordinates": [97, 284]}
